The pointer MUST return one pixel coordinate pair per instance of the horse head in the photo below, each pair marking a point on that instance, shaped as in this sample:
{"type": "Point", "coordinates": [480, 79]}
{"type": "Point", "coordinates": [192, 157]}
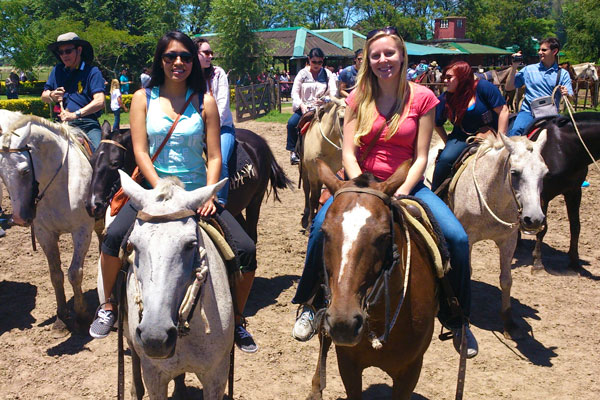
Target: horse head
{"type": "Point", "coordinates": [167, 248]}
{"type": "Point", "coordinates": [357, 241]}
{"type": "Point", "coordinates": [114, 152]}
{"type": "Point", "coordinates": [527, 171]}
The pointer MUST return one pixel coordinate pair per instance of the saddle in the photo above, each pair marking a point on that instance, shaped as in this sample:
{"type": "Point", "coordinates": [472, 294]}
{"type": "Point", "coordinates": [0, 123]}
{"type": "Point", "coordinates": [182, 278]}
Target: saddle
{"type": "Point", "coordinates": [305, 121]}
{"type": "Point", "coordinates": [458, 167]}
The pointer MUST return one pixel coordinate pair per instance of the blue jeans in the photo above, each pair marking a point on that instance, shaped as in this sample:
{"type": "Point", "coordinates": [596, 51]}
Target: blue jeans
{"type": "Point", "coordinates": [456, 238]}
{"type": "Point", "coordinates": [292, 130]}
{"type": "Point", "coordinates": [227, 146]}
{"type": "Point", "coordinates": [523, 119]}
{"type": "Point", "coordinates": [455, 145]}
{"type": "Point", "coordinates": [117, 114]}
{"type": "Point", "coordinates": [91, 128]}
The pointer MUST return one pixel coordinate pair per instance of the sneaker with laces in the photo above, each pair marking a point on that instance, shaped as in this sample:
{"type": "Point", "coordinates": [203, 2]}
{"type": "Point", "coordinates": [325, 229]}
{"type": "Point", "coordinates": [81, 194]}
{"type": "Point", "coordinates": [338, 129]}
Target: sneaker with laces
{"type": "Point", "coordinates": [472, 346]}
{"type": "Point", "coordinates": [294, 159]}
{"type": "Point", "coordinates": [100, 328]}
{"type": "Point", "coordinates": [304, 327]}
{"type": "Point", "coordinates": [243, 340]}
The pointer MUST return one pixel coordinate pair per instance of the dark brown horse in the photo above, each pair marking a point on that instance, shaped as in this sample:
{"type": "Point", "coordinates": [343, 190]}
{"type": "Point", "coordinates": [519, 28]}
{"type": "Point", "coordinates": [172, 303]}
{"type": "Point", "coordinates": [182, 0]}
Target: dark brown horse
{"type": "Point", "coordinates": [115, 152]}
{"type": "Point", "coordinates": [567, 162]}
{"type": "Point", "coordinates": [359, 233]}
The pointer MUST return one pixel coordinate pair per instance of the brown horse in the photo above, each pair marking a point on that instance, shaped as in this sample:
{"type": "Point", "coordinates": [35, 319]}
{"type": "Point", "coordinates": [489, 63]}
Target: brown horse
{"type": "Point", "coordinates": [359, 233]}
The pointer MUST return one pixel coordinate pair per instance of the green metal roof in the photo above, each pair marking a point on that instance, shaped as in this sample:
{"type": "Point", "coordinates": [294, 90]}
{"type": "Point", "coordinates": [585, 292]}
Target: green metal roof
{"type": "Point", "coordinates": [414, 49]}
{"type": "Point", "coordinates": [473, 48]}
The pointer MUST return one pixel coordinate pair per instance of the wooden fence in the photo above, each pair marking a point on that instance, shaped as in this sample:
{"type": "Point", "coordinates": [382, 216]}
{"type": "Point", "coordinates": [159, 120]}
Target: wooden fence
{"type": "Point", "coordinates": [254, 101]}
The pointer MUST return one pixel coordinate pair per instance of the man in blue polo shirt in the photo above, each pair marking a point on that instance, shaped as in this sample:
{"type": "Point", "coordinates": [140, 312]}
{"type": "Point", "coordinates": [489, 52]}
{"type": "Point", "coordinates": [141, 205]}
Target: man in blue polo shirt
{"type": "Point", "coordinates": [76, 85]}
{"type": "Point", "coordinates": [539, 80]}
{"type": "Point", "coordinates": [348, 74]}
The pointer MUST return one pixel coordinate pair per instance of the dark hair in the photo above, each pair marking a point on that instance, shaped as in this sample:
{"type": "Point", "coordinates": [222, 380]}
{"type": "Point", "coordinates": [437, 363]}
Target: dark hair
{"type": "Point", "coordinates": [552, 42]}
{"type": "Point", "coordinates": [458, 101]}
{"type": "Point", "coordinates": [209, 72]}
{"type": "Point", "coordinates": [357, 53]}
{"type": "Point", "coordinates": [157, 75]}
{"type": "Point", "coordinates": [316, 52]}
{"type": "Point", "coordinates": [197, 40]}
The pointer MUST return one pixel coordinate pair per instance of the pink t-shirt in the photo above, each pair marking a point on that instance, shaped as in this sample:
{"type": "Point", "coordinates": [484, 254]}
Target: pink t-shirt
{"type": "Point", "coordinates": [387, 155]}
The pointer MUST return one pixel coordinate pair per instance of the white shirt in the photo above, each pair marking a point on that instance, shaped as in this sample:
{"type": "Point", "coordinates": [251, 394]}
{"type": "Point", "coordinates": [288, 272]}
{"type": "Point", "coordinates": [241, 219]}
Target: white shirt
{"type": "Point", "coordinates": [307, 91]}
{"type": "Point", "coordinates": [114, 99]}
{"type": "Point", "coordinates": [219, 88]}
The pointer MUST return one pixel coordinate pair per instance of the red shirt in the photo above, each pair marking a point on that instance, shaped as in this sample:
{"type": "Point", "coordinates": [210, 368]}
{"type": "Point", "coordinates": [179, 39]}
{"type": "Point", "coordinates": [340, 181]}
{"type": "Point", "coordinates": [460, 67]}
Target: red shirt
{"type": "Point", "coordinates": [387, 155]}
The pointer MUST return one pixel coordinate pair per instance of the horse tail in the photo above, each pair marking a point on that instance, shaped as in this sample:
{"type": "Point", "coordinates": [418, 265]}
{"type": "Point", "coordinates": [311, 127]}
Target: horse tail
{"type": "Point", "coordinates": [278, 179]}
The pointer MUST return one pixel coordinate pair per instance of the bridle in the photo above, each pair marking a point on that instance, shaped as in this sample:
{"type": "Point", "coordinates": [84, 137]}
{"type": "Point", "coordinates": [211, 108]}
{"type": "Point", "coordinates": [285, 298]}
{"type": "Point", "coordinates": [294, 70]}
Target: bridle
{"type": "Point", "coordinates": [381, 285]}
{"type": "Point", "coordinates": [116, 185]}
{"type": "Point", "coordinates": [338, 127]}
{"type": "Point", "coordinates": [36, 195]}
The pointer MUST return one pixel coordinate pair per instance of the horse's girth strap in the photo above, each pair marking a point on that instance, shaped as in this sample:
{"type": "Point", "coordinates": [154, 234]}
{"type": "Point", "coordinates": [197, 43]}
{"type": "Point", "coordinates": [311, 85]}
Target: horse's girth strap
{"type": "Point", "coordinates": [142, 216]}
{"type": "Point", "coordinates": [384, 197]}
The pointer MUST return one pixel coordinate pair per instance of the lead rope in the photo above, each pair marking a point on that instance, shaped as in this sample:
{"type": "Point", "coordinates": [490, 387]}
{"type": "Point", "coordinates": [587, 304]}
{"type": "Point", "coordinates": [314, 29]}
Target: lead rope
{"type": "Point", "coordinates": [571, 109]}
{"type": "Point", "coordinates": [191, 298]}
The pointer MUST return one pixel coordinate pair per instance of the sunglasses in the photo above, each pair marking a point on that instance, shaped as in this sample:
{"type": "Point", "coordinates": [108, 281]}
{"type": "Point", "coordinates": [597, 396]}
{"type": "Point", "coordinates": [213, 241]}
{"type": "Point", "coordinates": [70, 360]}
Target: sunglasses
{"type": "Point", "coordinates": [171, 57]}
{"type": "Point", "coordinates": [316, 62]}
{"type": "Point", "coordinates": [207, 52]}
{"type": "Point", "coordinates": [66, 51]}
{"type": "Point", "coordinates": [388, 30]}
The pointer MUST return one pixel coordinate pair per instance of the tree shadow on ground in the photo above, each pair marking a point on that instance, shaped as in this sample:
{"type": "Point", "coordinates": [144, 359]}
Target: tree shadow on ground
{"type": "Point", "coordinates": [556, 262]}
{"type": "Point", "coordinates": [17, 300]}
{"type": "Point", "coordinates": [266, 291]}
{"type": "Point", "coordinates": [485, 314]}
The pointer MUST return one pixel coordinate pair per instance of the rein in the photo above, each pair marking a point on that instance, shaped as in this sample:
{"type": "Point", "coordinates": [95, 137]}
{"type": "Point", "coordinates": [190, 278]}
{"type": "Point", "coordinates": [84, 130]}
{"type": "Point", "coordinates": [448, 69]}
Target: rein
{"type": "Point", "coordinates": [36, 196]}
{"type": "Point", "coordinates": [339, 128]}
{"type": "Point", "coordinates": [113, 142]}
{"type": "Point", "coordinates": [482, 197]}
{"type": "Point", "coordinates": [571, 109]}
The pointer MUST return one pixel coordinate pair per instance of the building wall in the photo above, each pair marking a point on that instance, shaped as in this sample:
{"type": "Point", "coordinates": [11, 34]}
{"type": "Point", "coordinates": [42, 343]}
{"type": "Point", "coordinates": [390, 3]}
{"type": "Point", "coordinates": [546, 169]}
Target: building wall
{"type": "Point", "coordinates": [450, 28]}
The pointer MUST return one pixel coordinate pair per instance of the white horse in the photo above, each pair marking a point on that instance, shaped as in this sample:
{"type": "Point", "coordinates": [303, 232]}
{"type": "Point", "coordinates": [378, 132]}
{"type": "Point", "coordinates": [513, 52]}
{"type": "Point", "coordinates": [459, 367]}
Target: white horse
{"type": "Point", "coordinates": [171, 254]}
{"type": "Point", "coordinates": [6, 119]}
{"type": "Point", "coordinates": [323, 140]}
{"type": "Point", "coordinates": [47, 174]}
{"type": "Point", "coordinates": [586, 71]}
{"type": "Point", "coordinates": [497, 193]}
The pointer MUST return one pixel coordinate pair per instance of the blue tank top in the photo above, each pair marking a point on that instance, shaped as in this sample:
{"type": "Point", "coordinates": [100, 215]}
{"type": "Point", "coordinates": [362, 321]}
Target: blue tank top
{"type": "Point", "coordinates": [182, 155]}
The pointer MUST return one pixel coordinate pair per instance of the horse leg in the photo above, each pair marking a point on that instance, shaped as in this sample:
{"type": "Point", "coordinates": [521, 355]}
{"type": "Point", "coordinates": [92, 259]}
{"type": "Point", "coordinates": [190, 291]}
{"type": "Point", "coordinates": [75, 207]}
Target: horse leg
{"type": "Point", "coordinates": [507, 249]}
{"type": "Point", "coordinates": [306, 189]}
{"type": "Point", "coordinates": [49, 243]}
{"type": "Point", "coordinates": [156, 382]}
{"type": "Point", "coordinates": [315, 193]}
{"type": "Point", "coordinates": [539, 238]}
{"type": "Point", "coordinates": [180, 391]}
{"type": "Point", "coordinates": [573, 202]}
{"type": "Point", "coordinates": [316, 392]}
{"type": "Point", "coordinates": [137, 386]}
{"type": "Point", "coordinates": [406, 380]}
{"type": "Point", "coordinates": [351, 374]}
{"type": "Point", "coordinates": [214, 380]}
{"type": "Point", "coordinates": [81, 243]}
{"type": "Point", "coordinates": [252, 215]}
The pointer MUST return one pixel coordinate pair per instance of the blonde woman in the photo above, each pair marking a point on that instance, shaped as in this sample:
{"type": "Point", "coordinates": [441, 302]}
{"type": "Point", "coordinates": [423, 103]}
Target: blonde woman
{"type": "Point", "coordinates": [388, 121]}
{"type": "Point", "coordinates": [116, 102]}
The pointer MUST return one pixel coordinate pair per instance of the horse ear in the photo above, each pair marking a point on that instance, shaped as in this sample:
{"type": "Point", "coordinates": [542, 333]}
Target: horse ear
{"type": "Point", "coordinates": [541, 140]}
{"type": "Point", "coordinates": [106, 130]}
{"type": "Point", "coordinates": [328, 177]}
{"type": "Point", "coordinates": [201, 195]}
{"type": "Point", "coordinates": [136, 193]}
{"type": "Point", "coordinates": [507, 143]}
{"type": "Point", "coordinates": [392, 183]}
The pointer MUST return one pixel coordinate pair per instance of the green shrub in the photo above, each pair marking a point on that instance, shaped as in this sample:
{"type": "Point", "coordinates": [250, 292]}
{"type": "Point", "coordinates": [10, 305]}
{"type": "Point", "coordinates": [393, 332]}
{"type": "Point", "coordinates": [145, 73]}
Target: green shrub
{"type": "Point", "coordinates": [27, 106]}
{"type": "Point", "coordinates": [35, 87]}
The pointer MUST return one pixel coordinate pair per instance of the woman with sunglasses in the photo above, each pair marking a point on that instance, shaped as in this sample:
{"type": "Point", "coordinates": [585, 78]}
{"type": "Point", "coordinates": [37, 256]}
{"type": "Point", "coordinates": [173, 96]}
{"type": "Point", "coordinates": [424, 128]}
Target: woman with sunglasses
{"type": "Point", "coordinates": [472, 106]}
{"type": "Point", "coordinates": [218, 85]}
{"type": "Point", "coordinates": [310, 86]}
{"type": "Point", "coordinates": [175, 77]}
{"type": "Point", "coordinates": [389, 120]}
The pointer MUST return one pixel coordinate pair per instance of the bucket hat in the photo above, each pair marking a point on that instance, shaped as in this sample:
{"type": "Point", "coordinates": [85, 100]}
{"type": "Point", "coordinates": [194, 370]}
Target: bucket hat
{"type": "Point", "coordinates": [87, 53]}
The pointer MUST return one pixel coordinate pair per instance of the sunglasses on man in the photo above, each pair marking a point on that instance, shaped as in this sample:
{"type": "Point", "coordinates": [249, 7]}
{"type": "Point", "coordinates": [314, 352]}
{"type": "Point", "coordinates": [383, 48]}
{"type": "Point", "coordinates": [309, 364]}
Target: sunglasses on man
{"type": "Point", "coordinates": [66, 51]}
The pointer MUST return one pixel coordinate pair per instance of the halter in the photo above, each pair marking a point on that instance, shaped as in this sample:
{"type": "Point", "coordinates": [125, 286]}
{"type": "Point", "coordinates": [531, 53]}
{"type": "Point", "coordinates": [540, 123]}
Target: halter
{"type": "Point", "coordinates": [193, 294]}
{"type": "Point", "coordinates": [381, 285]}
{"type": "Point", "coordinates": [36, 196]}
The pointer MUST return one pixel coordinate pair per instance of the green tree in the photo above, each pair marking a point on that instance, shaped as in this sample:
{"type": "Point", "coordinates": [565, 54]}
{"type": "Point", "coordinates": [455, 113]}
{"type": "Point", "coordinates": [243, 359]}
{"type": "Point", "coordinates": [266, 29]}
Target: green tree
{"type": "Point", "coordinates": [581, 25]}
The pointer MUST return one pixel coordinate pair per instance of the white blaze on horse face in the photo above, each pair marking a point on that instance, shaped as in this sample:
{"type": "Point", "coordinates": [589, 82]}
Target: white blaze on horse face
{"type": "Point", "coordinates": [352, 223]}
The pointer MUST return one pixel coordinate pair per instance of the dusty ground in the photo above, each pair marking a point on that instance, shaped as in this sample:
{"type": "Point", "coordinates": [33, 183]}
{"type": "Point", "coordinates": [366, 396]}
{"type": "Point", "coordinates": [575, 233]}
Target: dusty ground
{"type": "Point", "coordinates": [559, 360]}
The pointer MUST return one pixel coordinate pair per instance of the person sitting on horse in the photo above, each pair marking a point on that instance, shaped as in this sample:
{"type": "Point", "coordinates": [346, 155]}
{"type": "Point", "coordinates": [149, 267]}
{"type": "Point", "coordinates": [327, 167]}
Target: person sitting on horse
{"type": "Point", "coordinates": [347, 76]}
{"type": "Point", "coordinates": [175, 77]}
{"type": "Point", "coordinates": [311, 84]}
{"type": "Point", "coordinates": [470, 105]}
{"type": "Point", "coordinates": [389, 120]}
{"type": "Point", "coordinates": [76, 85]}
{"type": "Point", "coordinates": [218, 86]}
{"type": "Point", "coordinates": [539, 79]}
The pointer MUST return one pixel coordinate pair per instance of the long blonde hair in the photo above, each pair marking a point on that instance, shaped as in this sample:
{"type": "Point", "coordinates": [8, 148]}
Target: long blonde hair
{"type": "Point", "coordinates": [114, 84]}
{"type": "Point", "coordinates": [367, 91]}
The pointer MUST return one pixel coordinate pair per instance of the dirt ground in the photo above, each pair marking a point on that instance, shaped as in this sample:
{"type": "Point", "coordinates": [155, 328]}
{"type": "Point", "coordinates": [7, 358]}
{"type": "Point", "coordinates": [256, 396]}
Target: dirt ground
{"type": "Point", "coordinates": [559, 359]}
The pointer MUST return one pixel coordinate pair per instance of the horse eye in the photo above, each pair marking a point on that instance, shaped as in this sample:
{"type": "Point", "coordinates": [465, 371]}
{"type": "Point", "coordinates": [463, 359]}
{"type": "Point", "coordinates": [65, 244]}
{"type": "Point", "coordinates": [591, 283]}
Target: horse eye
{"type": "Point", "coordinates": [515, 173]}
{"type": "Point", "coordinates": [24, 171]}
{"type": "Point", "coordinates": [192, 244]}
{"type": "Point", "coordinates": [115, 164]}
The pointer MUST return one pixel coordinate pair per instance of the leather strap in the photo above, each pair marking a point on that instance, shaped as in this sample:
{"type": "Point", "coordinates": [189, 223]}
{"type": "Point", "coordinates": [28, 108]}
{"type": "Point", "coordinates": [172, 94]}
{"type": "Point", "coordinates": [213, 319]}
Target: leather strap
{"type": "Point", "coordinates": [164, 142]}
{"type": "Point", "coordinates": [142, 216]}
{"type": "Point", "coordinates": [364, 155]}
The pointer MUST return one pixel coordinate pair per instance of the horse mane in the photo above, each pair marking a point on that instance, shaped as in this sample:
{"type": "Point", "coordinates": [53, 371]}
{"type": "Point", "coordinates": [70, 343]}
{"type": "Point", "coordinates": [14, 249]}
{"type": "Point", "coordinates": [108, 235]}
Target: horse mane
{"type": "Point", "coordinates": [166, 187]}
{"type": "Point", "coordinates": [363, 180]}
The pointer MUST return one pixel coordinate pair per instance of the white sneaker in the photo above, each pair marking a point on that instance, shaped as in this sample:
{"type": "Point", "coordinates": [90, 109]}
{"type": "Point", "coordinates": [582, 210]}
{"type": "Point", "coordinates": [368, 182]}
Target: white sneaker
{"type": "Point", "coordinates": [304, 327]}
{"type": "Point", "coordinates": [472, 346]}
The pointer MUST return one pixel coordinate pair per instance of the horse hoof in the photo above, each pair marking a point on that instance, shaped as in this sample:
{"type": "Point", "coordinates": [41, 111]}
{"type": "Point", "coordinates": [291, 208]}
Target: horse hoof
{"type": "Point", "coordinates": [59, 329]}
{"type": "Point", "coordinates": [536, 268]}
{"type": "Point", "coordinates": [514, 333]}
{"type": "Point", "coordinates": [315, 396]}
